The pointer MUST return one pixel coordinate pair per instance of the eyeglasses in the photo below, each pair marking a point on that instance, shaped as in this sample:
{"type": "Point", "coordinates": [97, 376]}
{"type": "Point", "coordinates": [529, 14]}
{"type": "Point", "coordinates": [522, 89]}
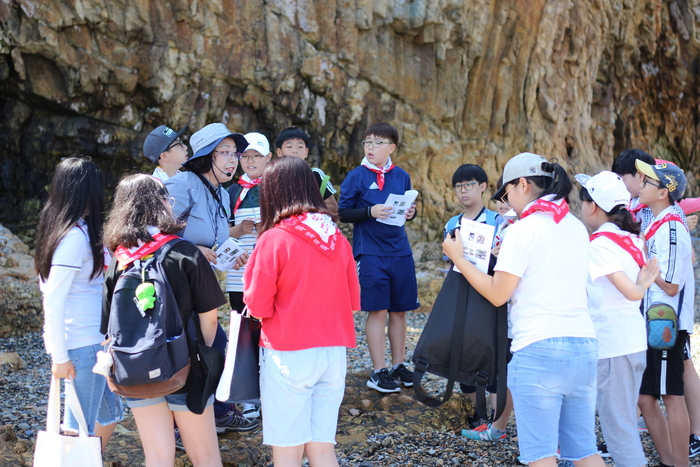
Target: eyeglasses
{"type": "Point", "coordinates": [228, 154]}
{"type": "Point", "coordinates": [647, 181]}
{"type": "Point", "coordinates": [504, 198]}
{"type": "Point", "coordinates": [374, 144]}
{"type": "Point", "coordinates": [469, 186]}
{"type": "Point", "coordinates": [176, 143]}
{"type": "Point", "coordinates": [170, 200]}
{"type": "Point", "coordinates": [251, 157]}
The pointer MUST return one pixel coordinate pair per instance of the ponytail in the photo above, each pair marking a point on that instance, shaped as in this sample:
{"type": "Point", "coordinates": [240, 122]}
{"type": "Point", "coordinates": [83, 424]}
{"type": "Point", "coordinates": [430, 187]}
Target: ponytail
{"type": "Point", "coordinates": [559, 185]}
{"type": "Point", "coordinates": [619, 215]}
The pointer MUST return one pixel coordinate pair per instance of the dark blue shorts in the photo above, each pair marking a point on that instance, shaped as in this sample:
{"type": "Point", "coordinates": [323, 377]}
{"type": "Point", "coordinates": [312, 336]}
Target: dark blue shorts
{"type": "Point", "coordinates": [387, 283]}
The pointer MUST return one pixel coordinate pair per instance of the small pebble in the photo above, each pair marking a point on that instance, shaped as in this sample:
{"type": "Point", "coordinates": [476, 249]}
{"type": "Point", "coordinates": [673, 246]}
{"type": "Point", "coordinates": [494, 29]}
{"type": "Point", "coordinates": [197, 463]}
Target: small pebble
{"type": "Point", "coordinates": [354, 412]}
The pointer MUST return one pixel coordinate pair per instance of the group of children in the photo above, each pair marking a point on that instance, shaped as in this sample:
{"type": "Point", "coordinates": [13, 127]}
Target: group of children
{"type": "Point", "coordinates": [578, 335]}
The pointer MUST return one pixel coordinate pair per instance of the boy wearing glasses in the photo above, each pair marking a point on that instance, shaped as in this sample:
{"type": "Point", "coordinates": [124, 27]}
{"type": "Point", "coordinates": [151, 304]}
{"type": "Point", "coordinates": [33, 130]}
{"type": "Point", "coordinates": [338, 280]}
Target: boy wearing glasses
{"type": "Point", "coordinates": [164, 147]}
{"type": "Point", "coordinates": [383, 254]}
{"type": "Point", "coordinates": [668, 240]}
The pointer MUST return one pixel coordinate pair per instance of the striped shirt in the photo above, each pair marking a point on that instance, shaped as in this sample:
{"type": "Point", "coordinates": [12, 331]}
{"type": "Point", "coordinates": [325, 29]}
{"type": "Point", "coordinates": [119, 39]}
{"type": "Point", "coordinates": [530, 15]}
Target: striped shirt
{"type": "Point", "coordinates": [248, 209]}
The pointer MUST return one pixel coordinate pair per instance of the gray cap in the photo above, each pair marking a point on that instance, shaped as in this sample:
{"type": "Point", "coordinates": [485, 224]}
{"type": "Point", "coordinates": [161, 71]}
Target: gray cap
{"type": "Point", "coordinates": [525, 164]}
{"type": "Point", "coordinates": [158, 141]}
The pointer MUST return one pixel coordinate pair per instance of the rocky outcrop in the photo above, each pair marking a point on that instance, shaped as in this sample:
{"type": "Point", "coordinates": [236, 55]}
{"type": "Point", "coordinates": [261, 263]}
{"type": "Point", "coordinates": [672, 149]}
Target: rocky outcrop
{"type": "Point", "coordinates": [463, 80]}
{"type": "Point", "coordinates": [20, 306]}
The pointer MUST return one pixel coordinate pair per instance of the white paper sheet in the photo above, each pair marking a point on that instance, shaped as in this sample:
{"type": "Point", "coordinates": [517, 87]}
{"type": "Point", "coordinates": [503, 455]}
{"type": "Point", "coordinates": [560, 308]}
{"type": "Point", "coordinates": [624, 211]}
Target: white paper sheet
{"type": "Point", "coordinates": [400, 204]}
{"type": "Point", "coordinates": [227, 254]}
{"type": "Point", "coordinates": [476, 243]}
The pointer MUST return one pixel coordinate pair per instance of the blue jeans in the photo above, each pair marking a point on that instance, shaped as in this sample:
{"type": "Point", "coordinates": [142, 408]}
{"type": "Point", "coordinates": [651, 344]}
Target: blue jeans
{"type": "Point", "coordinates": [98, 403]}
{"type": "Point", "coordinates": [553, 382]}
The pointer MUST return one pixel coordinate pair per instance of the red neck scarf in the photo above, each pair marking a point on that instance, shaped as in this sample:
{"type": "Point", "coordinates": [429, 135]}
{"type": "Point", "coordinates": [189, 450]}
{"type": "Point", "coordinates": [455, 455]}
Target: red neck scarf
{"type": "Point", "coordinates": [625, 242]}
{"type": "Point", "coordinates": [657, 224]}
{"type": "Point", "coordinates": [558, 210]}
{"type": "Point", "coordinates": [125, 257]}
{"type": "Point", "coordinates": [635, 210]}
{"type": "Point", "coordinates": [298, 225]}
{"type": "Point", "coordinates": [379, 171]}
{"type": "Point", "coordinates": [247, 185]}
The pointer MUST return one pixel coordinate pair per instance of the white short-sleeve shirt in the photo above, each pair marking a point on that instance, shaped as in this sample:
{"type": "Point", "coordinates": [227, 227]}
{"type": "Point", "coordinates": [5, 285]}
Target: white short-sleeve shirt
{"type": "Point", "coordinates": [620, 326]}
{"type": "Point", "coordinates": [551, 261]}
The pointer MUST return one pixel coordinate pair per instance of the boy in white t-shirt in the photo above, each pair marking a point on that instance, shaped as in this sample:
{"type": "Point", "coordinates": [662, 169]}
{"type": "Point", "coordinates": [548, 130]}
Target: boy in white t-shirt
{"type": "Point", "coordinates": [164, 147]}
{"type": "Point", "coordinates": [667, 240]}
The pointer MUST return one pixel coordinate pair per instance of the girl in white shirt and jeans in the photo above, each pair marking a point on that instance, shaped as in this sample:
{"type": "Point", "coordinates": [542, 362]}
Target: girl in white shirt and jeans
{"type": "Point", "coordinates": [542, 268]}
{"type": "Point", "coordinates": [70, 261]}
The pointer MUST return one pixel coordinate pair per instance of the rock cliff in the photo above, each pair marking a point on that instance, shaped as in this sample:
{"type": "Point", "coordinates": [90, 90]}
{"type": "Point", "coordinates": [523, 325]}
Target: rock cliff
{"type": "Point", "coordinates": [463, 80]}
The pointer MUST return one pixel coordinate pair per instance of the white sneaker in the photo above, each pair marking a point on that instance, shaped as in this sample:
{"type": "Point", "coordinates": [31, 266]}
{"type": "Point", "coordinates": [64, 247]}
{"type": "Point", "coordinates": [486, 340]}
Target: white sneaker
{"type": "Point", "coordinates": [251, 411]}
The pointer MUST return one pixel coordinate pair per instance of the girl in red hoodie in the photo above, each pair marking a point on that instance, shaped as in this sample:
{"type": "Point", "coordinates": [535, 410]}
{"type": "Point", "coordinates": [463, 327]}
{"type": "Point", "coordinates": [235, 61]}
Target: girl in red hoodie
{"type": "Point", "coordinates": [301, 281]}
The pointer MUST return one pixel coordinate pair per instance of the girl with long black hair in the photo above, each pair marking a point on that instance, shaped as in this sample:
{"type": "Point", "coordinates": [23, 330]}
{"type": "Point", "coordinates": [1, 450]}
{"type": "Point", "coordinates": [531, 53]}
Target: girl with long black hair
{"type": "Point", "coordinates": [70, 261]}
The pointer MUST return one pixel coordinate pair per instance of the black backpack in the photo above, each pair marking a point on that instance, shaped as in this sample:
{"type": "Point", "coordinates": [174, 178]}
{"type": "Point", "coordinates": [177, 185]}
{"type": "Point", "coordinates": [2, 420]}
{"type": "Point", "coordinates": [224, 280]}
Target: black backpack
{"type": "Point", "coordinates": [148, 343]}
{"type": "Point", "coordinates": [464, 340]}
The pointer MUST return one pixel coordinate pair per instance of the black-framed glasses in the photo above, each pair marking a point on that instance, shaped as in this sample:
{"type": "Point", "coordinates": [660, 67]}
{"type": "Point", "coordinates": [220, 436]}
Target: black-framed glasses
{"type": "Point", "coordinates": [251, 157]}
{"type": "Point", "coordinates": [647, 181]}
{"type": "Point", "coordinates": [176, 143]}
{"type": "Point", "coordinates": [228, 154]}
{"type": "Point", "coordinates": [468, 186]}
{"type": "Point", "coordinates": [504, 198]}
{"type": "Point", "coordinates": [375, 144]}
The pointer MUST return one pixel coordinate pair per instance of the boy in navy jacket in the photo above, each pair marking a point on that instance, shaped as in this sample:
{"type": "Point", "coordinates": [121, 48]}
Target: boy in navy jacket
{"type": "Point", "coordinates": [383, 254]}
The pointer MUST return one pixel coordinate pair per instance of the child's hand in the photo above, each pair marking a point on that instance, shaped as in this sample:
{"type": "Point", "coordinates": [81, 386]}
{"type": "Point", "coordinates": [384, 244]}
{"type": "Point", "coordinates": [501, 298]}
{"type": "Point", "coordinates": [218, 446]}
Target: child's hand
{"type": "Point", "coordinates": [208, 253]}
{"type": "Point", "coordinates": [495, 250]}
{"type": "Point", "coordinates": [247, 226]}
{"type": "Point", "coordinates": [452, 247]}
{"type": "Point", "coordinates": [692, 221]}
{"type": "Point", "coordinates": [647, 275]}
{"type": "Point", "coordinates": [410, 212]}
{"type": "Point", "coordinates": [381, 211]}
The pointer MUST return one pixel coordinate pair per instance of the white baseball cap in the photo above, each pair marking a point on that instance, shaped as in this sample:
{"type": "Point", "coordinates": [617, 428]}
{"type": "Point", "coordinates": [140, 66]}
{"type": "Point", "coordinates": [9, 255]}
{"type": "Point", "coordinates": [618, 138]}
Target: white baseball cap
{"type": "Point", "coordinates": [208, 138]}
{"type": "Point", "coordinates": [525, 164]}
{"type": "Point", "coordinates": [606, 189]}
{"type": "Point", "coordinates": [258, 142]}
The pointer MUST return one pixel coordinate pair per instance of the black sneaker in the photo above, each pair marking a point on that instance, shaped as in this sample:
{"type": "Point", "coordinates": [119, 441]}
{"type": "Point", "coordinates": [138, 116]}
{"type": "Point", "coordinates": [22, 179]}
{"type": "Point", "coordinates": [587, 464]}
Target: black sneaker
{"type": "Point", "coordinates": [382, 381]}
{"type": "Point", "coordinates": [235, 421]}
{"type": "Point", "coordinates": [603, 450]}
{"type": "Point", "coordinates": [402, 375]}
{"type": "Point", "coordinates": [694, 445]}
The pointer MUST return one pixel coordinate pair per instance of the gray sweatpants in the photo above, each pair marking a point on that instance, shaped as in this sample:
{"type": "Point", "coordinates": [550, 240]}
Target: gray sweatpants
{"type": "Point", "coordinates": [619, 379]}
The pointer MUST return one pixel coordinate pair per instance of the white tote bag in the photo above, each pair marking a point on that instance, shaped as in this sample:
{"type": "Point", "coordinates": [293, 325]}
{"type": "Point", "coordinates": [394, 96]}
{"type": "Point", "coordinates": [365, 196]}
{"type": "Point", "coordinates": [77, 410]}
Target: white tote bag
{"type": "Point", "coordinates": [55, 450]}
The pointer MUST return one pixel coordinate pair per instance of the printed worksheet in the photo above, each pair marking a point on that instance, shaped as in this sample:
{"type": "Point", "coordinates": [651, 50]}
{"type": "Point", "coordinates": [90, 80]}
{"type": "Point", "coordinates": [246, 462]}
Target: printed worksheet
{"type": "Point", "coordinates": [400, 204]}
{"type": "Point", "coordinates": [476, 243]}
{"type": "Point", "coordinates": [227, 254]}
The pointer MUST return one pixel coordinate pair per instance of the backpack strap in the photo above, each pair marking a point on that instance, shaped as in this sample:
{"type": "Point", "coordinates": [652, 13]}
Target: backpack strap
{"type": "Point", "coordinates": [324, 183]}
{"type": "Point", "coordinates": [501, 379]}
{"type": "Point", "coordinates": [421, 366]}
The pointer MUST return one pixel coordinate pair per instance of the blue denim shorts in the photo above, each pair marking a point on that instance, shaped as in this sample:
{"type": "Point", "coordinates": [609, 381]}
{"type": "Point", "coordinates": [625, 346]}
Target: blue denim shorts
{"type": "Point", "coordinates": [553, 382]}
{"type": "Point", "coordinates": [97, 401]}
{"type": "Point", "coordinates": [176, 402]}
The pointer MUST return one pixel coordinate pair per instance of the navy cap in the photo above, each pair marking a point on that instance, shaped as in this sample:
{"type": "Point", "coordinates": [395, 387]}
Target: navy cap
{"type": "Point", "coordinates": [670, 175]}
{"type": "Point", "coordinates": [158, 140]}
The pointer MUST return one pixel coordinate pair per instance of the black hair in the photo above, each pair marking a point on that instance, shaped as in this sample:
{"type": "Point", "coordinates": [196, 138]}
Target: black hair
{"type": "Point", "coordinates": [383, 130]}
{"type": "Point", "coordinates": [619, 215]}
{"type": "Point", "coordinates": [624, 163]}
{"type": "Point", "coordinates": [201, 164]}
{"type": "Point", "coordinates": [469, 172]}
{"type": "Point", "coordinates": [292, 132]}
{"type": "Point", "coordinates": [77, 190]}
{"type": "Point", "coordinates": [138, 204]}
{"type": "Point", "coordinates": [559, 185]}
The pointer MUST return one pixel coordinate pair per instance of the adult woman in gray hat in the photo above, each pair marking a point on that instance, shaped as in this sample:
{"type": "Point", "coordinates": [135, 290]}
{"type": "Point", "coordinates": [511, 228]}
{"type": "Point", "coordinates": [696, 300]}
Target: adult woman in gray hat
{"type": "Point", "coordinates": [203, 204]}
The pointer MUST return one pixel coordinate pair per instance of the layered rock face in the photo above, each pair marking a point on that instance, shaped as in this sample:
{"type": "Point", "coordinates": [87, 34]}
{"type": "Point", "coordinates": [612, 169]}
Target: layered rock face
{"type": "Point", "coordinates": [463, 80]}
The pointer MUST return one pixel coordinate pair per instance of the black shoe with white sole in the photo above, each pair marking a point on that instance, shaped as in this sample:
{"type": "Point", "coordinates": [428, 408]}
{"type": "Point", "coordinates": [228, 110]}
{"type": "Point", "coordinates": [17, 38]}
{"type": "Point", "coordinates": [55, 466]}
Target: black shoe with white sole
{"type": "Point", "coordinates": [402, 375]}
{"type": "Point", "coordinates": [382, 381]}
